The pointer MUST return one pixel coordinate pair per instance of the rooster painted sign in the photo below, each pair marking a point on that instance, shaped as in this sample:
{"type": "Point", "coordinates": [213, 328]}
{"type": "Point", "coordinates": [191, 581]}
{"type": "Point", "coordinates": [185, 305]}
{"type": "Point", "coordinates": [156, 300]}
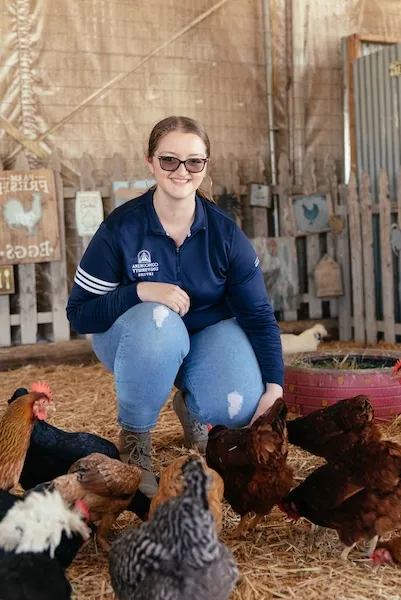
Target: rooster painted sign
{"type": "Point", "coordinates": [311, 213]}
{"type": "Point", "coordinates": [29, 224]}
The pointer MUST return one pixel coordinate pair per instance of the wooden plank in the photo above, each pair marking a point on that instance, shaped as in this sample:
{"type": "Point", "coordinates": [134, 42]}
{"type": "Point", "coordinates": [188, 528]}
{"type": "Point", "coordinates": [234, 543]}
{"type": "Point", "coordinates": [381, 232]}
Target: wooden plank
{"type": "Point", "coordinates": [343, 257]}
{"type": "Point", "coordinates": [356, 260]}
{"type": "Point", "coordinates": [387, 281]}
{"type": "Point", "coordinates": [353, 52]}
{"type": "Point", "coordinates": [27, 303]}
{"type": "Point", "coordinates": [312, 258]}
{"type": "Point", "coordinates": [287, 222]}
{"type": "Point", "coordinates": [5, 321]}
{"type": "Point", "coordinates": [331, 252]}
{"type": "Point", "coordinates": [368, 260]}
{"type": "Point", "coordinates": [58, 269]}
{"type": "Point", "coordinates": [53, 353]}
{"type": "Point", "coordinates": [42, 318]}
{"type": "Point", "coordinates": [27, 283]}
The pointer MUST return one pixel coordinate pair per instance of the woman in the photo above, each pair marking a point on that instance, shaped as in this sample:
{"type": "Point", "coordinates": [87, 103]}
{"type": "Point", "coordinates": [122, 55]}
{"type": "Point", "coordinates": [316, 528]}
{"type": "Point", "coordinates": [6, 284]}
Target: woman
{"type": "Point", "coordinates": [173, 292]}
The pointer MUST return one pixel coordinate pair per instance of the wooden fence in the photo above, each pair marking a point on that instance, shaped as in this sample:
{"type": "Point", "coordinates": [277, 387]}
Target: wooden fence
{"type": "Point", "coordinates": [360, 239]}
{"type": "Point", "coordinates": [375, 241]}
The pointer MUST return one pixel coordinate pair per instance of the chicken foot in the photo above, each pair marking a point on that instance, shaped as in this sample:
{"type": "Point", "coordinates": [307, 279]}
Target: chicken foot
{"type": "Point", "coordinates": [346, 551]}
{"type": "Point", "coordinates": [254, 522]}
{"type": "Point", "coordinates": [241, 528]}
{"type": "Point", "coordinates": [372, 546]}
{"type": "Point", "coordinates": [103, 529]}
{"type": "Point", "coordinates": [312, 535]}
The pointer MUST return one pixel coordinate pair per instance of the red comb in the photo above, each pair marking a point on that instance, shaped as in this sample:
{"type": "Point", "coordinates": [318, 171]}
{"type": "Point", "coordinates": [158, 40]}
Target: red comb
{"type": "Point", "coordinates": [83, 508]}
{"type": "Point", "coordinates": [43, 388]}
{"type": "Point", "coordinates": [397, 366]}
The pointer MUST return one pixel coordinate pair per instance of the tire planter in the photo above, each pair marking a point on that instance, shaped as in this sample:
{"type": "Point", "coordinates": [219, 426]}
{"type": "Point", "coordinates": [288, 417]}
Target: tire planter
{"type": "Point", "coordinates": [309, 388]}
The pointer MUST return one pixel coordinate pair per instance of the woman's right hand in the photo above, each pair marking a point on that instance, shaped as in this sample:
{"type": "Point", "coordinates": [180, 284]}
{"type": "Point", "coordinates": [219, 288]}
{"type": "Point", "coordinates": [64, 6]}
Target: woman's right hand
{"type": "Point", "coordinates": [165, 293]}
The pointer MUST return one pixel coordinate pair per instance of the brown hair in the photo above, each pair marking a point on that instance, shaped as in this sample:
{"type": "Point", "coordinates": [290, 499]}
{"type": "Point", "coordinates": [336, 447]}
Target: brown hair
{"type": "Point", "coordinates": [184, 125]}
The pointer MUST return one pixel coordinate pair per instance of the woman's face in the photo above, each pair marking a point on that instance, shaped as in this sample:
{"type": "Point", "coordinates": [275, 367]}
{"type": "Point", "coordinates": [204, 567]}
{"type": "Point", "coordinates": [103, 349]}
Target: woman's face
{"type": "Point", "coordinates": [181, 183]}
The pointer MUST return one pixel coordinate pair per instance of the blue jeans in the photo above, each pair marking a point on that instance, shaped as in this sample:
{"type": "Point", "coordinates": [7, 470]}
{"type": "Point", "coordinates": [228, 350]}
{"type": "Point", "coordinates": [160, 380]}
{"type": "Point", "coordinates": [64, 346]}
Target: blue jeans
{"type": "Point", "coordinates": [148, 350]}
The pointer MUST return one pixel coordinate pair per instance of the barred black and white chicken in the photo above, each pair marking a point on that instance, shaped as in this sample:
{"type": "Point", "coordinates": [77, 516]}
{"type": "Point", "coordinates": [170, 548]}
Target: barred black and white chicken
{"type": "Point", "coordinates": [176, 555]}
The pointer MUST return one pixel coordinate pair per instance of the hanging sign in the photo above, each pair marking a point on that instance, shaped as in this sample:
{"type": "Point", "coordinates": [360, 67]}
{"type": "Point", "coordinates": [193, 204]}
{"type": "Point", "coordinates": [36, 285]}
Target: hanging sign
{"type": "Point", "coordinates": [89, 212]}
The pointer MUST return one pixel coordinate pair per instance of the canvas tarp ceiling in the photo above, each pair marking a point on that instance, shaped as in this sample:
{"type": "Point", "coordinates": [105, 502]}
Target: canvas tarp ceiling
{"type": "Point", "coordinates": [55, 54]}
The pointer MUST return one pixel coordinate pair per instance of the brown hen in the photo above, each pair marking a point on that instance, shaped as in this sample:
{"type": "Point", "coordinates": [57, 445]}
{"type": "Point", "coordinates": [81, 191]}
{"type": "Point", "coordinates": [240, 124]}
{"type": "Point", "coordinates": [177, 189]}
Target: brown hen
{"type": "Point", "coordinates": [16, 427]}
{"type": "Point", "coordinates": [171, 484]}
{"type": "Point", "coordinates": [330, 432]}
{"type": "Point", "coordinates": [359, 496]}
{"type": "Point", "coordinates": [252, 463]}
{"type": "Point", "coordinates": [106, 485]}
{"type": "Point", "coordinates": [388, 552]}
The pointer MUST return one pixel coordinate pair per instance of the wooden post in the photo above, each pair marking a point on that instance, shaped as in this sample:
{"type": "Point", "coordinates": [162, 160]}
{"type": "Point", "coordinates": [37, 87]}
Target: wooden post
{"type": "Point", "coordinates": [356, 261]}
{"type": "Point", "coordinates": [399, 227]}
{"type": "Point", "coordinates": [287, 222]}
{"type": "Point", "coordinates": [58, 269]}
{"type": "Point", "coordinates": [5, 318]}
{"type": "Point", "coordinates": [343, 257]}
{"type": "Point", "coordinates": [313, 253]}
{"type": "Point", "coordinates": [87, 183]}
{"type": "Point", "coordinates": [27, 283]}
{"type": "Point", "coordinates": [332, 186]}
{"type": "Point", "coordinates": [368, 261]}
{"type": "Point", "coordinates": [387, 282]}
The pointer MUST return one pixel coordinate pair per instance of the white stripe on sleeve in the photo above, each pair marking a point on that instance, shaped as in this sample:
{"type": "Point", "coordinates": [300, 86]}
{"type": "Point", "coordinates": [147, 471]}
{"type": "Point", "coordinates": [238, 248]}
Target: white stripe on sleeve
{"type": "Point", "coordinates": [93, 284]}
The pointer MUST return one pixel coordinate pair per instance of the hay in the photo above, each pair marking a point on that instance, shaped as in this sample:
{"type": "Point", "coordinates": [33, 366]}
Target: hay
{"type": "Point", "coordinates": [275, 561]}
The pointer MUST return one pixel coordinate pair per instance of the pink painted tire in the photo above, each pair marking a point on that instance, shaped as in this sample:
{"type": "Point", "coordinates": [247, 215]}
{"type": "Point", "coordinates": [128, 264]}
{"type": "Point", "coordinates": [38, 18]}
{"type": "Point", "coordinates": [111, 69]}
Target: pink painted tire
{"type": "Point", "coordinates": [309, 388]}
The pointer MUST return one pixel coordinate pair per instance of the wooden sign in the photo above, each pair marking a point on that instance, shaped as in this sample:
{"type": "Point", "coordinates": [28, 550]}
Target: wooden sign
{"type": "Point", "coordinates": [7, 284]}
{"type": "Point", "coordinates": [29, 224]}
{"type": "Point", "coordinates": [89, 212]}
{"type": "Point", "coordinates": [260, 195]}
{"type": "Point", "coordinates": [395, 68]}
{"type": "Point", "coordinates": [328, 278]}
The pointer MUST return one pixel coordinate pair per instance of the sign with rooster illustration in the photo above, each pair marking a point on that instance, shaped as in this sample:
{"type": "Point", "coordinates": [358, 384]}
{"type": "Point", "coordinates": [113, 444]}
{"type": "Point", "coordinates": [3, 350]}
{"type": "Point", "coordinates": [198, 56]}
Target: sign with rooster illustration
{"type": "Point", "coordinates": [29, 224]}
{"type": "Point", "coordinates": [311, 213]}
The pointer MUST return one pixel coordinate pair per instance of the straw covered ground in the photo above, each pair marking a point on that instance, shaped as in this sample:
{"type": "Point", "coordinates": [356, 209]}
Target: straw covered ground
{"type": "Point", "coordinates": [275, 561]}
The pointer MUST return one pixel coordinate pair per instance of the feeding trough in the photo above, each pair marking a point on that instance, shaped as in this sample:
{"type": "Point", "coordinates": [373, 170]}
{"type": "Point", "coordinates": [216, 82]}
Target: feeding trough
{"type": "Point", "coordinates": [319, 379]}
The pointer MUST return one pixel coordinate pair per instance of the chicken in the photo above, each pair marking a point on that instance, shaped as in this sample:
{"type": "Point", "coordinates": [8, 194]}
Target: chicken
{"type": "Point", "coordinates": [359, 496]}
{"type": "Point", "coordinates": [106, 485]}
{"type": "Point", "coordinates": [39, 538]}
{"type": "Point", "coordinates": [175, 555]}
{"type": "Point", "coordinates": [252, 463]}
{"type": "Point", "coordinates": [16, 427]}
{"type": "Point", "coordinates": [15, 215]}
{"type": "Point", "coordinates": [32, 576]}
{"type": "Point", "coordinates": [387, 552]}
{"type": "Point", "coordinates": [307, 341]}
{"type": "Point", "coordinates": [331, 432]}
{"type": "Point", "coordinates": [172, 484]}
{"type": "Point", "coordinates": [53, 451]}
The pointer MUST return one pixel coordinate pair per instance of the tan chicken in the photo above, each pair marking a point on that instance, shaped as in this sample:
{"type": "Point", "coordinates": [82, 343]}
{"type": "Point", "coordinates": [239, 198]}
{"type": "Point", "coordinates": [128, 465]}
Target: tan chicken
{"type": "Point", "coordinates": [172, 484]}
{"type": "Point", "coordinates": [106, 485]}
{"type": "Point", "coordinates": [16, 427]}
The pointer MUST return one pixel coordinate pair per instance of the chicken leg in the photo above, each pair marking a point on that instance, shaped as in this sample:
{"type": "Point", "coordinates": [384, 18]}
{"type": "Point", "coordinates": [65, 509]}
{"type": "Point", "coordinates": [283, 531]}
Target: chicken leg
{"type": "Point", "coordinates": [241, 528]}
{"type": "Point", "coordinates": [346, 551]}
{"type": "Point", "coordinates": [103, 530]}
{"type": "Point", "coordinates": [372, 545]}
{"type": "Point", "coordinates": [254, 522]}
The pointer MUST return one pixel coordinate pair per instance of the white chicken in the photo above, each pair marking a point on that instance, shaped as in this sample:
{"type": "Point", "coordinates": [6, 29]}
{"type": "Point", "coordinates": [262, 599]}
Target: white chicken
{"type": "Point", "coordinates": [15, 215]}
{"type": "Point", "coordinates": [307, 341]}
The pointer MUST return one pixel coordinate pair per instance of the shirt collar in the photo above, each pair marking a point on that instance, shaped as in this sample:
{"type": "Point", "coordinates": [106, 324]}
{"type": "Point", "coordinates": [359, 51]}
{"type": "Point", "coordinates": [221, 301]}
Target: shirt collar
{"type": "Point", "coordinates": [157, 227]}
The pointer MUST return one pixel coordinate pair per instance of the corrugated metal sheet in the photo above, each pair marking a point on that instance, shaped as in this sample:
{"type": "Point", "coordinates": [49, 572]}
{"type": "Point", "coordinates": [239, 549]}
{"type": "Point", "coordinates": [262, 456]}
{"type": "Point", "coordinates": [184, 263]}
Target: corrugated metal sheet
{"type": "Point", "coordinates": [377, 114]}
{"type": "Point", "coordinates": [377, 98]}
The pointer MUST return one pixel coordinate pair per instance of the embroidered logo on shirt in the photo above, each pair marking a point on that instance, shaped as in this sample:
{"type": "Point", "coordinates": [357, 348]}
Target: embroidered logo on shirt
{"type": "Point", "coordinates": [145, 267]}
{"type": "Point", "coordinates": [256, 262]}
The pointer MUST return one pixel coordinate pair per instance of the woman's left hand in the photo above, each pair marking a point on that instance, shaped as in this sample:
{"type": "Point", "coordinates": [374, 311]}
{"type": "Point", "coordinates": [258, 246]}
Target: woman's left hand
{"type": "Point", "coordinates": [273, 391]}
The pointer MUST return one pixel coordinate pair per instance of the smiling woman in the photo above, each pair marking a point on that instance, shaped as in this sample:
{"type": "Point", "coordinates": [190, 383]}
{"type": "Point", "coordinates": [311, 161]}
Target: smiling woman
{"type": "Point", "coordinates": [174, 294]}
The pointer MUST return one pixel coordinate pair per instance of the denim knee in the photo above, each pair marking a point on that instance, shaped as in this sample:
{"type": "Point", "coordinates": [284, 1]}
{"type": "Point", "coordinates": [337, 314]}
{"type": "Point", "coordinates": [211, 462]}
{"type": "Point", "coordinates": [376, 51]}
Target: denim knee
{"type": "Point", "coordinates": [146, 347]}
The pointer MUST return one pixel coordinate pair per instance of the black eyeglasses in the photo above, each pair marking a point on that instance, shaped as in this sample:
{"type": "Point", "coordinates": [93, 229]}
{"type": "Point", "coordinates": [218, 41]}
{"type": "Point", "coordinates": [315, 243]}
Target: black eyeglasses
{"type": "Point", "coordinates": [192, 165]}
